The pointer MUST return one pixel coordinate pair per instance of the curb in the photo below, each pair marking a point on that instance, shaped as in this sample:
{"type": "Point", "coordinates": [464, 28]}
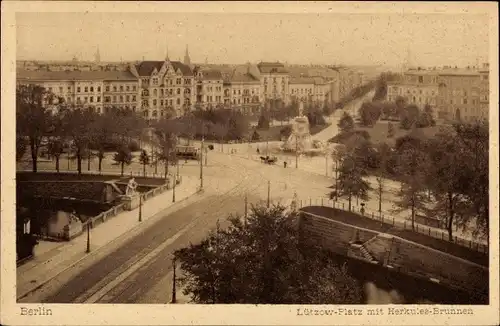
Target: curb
{"type": "Point", "coordinates": [97, 250]}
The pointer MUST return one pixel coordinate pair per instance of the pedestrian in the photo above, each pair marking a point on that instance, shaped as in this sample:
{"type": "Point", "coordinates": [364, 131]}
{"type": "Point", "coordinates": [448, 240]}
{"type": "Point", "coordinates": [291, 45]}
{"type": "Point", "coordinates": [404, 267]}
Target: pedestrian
{"type": "Point", "coordinates": [258, 152]}
{"type": "Point", "coordinates": [284, 164]}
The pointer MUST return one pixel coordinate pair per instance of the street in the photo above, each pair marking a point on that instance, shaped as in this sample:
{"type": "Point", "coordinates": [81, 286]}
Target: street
{"type": "Point", "coordinates": [143, 262]}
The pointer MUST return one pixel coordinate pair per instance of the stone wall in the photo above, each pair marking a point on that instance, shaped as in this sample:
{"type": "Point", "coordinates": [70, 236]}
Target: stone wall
{"type": "Point", "coordinates": [406, 256]}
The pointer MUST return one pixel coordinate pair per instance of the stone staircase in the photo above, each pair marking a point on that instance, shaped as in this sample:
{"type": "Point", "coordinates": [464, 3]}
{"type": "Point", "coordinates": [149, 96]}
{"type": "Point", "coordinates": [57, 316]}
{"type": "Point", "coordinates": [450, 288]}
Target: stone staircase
{"type": "Point", "coordinates": [367, 255]}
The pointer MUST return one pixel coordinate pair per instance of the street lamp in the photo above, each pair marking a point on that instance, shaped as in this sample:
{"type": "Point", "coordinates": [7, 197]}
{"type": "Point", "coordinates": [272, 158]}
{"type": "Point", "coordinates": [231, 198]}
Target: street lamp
{"type": "Point", "coordinates": [88, 236]}
{"type": "Point", "coordinates": [140, 207]}
{"type": "Point", "coordinates": [201, 162]}
{"type": "Point", "coordinates": [174, 292]}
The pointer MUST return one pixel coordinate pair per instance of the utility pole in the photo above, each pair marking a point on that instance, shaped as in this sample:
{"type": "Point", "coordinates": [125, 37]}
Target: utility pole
{"type": "Point", "coordinates": [88, 237]}
{"type": "Point", "coordinates": [268, 193]}
{"type": "Point", "coordinates": [88, 161]}
{"type": "Point", "coordinates": [201, 163]}
{"type": "Point", "coordinates": [296, 152]}
{"type": "Point", "coordinates": [326, 163]}
{"type": "Point", "coordinates": [246, 207]}
{"type": "Point", "coordinates": [140, 207]}
{"type": "Point", "coordinates": [174, 292]}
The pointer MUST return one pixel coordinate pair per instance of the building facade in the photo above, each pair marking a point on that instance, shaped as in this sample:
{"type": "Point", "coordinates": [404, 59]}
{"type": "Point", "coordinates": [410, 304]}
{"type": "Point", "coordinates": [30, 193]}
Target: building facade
{"type": "Point", "coordinates": [459, 94]}
{"type": "Point", "coordinates": [244, 93]}
{"type": "Point", "coordinates": [97, 90]}
{"type": "Point", "coordinates": [418, 87]}
{"type": "Point", "coordinates": [209, 88]}
{"type": "Point", "coordinates": [166, 88]}
{"type": "Point", "coordinates": [274, 82]}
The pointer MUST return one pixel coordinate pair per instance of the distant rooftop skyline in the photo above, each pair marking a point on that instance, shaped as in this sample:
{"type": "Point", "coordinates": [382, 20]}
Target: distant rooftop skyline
{"type": "Point", "coordinates": [349, 39]}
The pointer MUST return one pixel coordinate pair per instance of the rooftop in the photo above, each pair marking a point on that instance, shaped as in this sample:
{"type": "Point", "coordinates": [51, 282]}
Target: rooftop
{"type": "Point", "coordinates": [145, 68]}
{"type": "Point", "coordinates": [74, 75]}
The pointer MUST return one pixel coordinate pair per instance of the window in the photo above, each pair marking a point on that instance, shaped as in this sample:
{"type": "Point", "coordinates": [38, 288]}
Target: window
{"type": "Point", "coordinates": [145, 113]}
{"type": "Point", "coordinates": [420, 79]}
{"type": "Point", "coordinates": [107, 99]}
{"type": "Point", "coordinates": [133, 98]}
{"type": "Point", "coordinates": [187, 81]}
{"type": "Point", "coordinates": [178, 81]}
{"type": "Point", "coordinates": [161, 102]}
{"type": "Point", "coordinates": [127, 98]}
{"type": "Point", "coordinates": [121, 88]}
{"type": "Point", "coordinates": [86, 89]}
{"type": "Point", "coordinates": [155, 92]}
{"type": "Point", "coordinates": [121, 98]}
{"type": "Point", "coordinates": [107, 88]}
{"type": "Point", "coordinates": [98, 99]}
{"type": "Point", "coordinates": [178, 101]}
{"type": "Point", "coordinates": [114, 98]}
{"type": "Point", "coordinates": [60, 89]}
{"type": "Point", "coordinates": [85, 99]}
{"type": "Point", "coordinates": [134, 88]}
{"type": "Point", "coordinates": [114, 88]}
{"type": "Point", "coordinates": [465, 101]}
{"type": "Point", "coordinates": [161, 92]}
{"type": "Point", "coordinates": [91, 89]}
{"type": "Point", "coordinates": [154, 102]}
{"type": "Point", "coordinates": [91, 99]}
{"type": "Point", "coordinates": [127, 88]}
{"type": "Point", "coordinates": [98, 88]}
{"type": "Point", "coordinates": [178, 90]}
{"type": "Point", "coordinates": [69, 88]}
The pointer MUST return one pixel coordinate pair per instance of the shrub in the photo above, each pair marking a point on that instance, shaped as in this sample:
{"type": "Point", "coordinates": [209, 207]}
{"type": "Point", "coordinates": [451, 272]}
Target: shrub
{"type": "Point", "coordinates": [133, 146]}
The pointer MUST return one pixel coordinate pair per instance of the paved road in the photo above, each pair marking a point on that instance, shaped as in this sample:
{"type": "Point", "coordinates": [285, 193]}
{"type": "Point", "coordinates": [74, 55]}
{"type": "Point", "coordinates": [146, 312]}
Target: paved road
{"type": "Point", "coordinates": [124, 273]}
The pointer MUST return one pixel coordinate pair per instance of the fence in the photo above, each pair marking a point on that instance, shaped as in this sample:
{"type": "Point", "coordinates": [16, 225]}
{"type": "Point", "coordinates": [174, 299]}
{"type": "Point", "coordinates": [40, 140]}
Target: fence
{"type": "Point", "coordinates": [115, 210]}
{"type": "Point", "coordinates": [396, 222]}
{"type": "Point", "coordinates": [99, 173]}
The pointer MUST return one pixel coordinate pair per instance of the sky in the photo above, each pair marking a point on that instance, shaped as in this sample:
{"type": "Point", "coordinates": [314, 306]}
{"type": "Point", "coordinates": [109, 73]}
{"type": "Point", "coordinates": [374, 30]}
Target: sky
{"type": "Point", "coordinates": [326, 38]}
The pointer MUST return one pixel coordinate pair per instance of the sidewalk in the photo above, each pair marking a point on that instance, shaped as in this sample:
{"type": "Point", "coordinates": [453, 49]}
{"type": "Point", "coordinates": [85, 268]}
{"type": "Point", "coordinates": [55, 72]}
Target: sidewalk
{"type": "Point", "coordinates": [53, 258]}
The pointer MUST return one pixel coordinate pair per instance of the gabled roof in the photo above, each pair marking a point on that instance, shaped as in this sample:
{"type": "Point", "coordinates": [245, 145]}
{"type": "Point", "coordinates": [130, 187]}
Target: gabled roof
{"type": "Point", "coordinates": [30, 75]}
{"type": "Point", "coordinates": [185, 70]}
{"type": "Point", "coordinates": [145, 68]}
{"type": "Point", "coordinates": [211, 74]}
{"type": "Point", "coordinates": [243, 78]}
{"type": "Point", "coordinates": [302, 80]}
{"type": "Point", "coordinates": [271, 67]}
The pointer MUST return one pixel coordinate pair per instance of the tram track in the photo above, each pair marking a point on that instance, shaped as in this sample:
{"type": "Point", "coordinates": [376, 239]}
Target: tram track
{"type": "Point", "coordinates": [85, 286]}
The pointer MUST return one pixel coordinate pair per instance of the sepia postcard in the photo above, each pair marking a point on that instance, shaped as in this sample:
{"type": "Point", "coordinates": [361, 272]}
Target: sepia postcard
{"type": "Point", "coordinates": [249, 163]}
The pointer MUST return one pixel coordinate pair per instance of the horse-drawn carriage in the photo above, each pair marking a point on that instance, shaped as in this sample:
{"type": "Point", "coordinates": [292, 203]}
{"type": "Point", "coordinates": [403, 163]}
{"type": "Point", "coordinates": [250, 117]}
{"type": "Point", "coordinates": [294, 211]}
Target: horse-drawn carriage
{"type": "Point", "coordinates": [268, 159]}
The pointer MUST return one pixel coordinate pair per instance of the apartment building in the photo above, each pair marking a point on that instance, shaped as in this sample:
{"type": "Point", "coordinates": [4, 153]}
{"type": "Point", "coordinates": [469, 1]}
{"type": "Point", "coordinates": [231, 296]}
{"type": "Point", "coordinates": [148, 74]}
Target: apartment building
{"type": "Point", "coordinates": [484, 90]}
{"type": "Point", "coordinates": [302, 89]}
{"type": "Point", "coordinates": [86, 88]}
{"type": "Point", "coordinates": [454, 93]}
{"type": "Point", "coordinates": [244, 93]}
{"type": "Point", "coordinates": [164, 87]}
{"type": "Point", "coordinates": [419, 87]}
{"type": "Point", "coordinates": [459, 95]}
{"type": "Point", "coordinates": [274, 79]}
{"type": "Point", "coordinates": [209, 88]}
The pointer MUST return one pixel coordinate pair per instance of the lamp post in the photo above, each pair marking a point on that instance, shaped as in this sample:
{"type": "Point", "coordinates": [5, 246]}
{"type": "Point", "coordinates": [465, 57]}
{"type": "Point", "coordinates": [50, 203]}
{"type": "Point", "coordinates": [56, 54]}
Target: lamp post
{"type": "Point", "coordinates": [201, 162]}
{"type": "Point", "coordinates": [296, 152]}
{"type": "Point", "coordinates": [140, 207]}
{"type": "Point", "coordinates": [246, 208]}
{"type": "Point", "coordinates": [174, 292]}
{"type": "Point", "coordinates": [176, 177]}
{"type": "Point", "coordinates": [88, 237]}
{"type": "Point", "coordinates": [268, 193]}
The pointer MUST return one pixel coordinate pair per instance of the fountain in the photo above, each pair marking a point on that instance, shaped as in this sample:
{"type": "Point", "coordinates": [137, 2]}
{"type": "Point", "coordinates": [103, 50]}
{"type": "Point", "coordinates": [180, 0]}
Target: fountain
{"type": "Point", "coordinates": [300, 139]}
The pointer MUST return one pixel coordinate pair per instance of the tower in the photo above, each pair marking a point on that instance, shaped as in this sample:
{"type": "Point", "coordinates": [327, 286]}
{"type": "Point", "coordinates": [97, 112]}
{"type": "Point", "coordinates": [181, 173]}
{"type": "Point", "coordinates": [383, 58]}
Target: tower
{"type": "Point", "coordinates": [97, 56]}
{"type": "Point", "coordinates": [187, 60]}
{"type": "Point", "coordinates": [166, 51]}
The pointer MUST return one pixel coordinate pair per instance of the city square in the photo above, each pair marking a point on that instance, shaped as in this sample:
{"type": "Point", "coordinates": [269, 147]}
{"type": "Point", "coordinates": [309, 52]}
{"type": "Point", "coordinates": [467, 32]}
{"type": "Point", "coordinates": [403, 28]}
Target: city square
{"type": "Point", "coordinates": [249, 177]}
